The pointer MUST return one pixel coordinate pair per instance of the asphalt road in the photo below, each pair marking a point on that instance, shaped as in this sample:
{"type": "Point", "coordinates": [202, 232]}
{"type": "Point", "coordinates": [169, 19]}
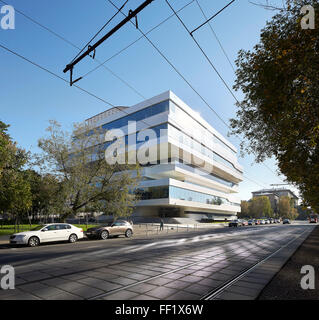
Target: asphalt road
{"type": "Point", "coordinates": [176, 266]}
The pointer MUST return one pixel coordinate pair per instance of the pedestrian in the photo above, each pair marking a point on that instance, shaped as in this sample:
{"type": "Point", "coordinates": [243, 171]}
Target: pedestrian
{"type": "Point", "coordinates": [161, 225]}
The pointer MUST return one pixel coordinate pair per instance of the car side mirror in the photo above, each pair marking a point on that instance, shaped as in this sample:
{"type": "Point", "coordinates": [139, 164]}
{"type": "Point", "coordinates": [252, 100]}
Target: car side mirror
{"type": "Point", "coordinates": [45, 229]}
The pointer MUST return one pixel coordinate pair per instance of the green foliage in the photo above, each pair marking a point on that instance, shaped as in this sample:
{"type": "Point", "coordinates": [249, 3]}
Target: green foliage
{"type": "Point", "coordinates": [279, 115]}
{"type": "Point", "coordinates": [87, 182]}
{"type": "Point", "coordinates": [15, 191]}
{"type": "Point", "coordinates": [260, 207]}
{"type": "Point", "coordinates": [286, 209]}
{"type": "Point", "coordinates": [244, 205]}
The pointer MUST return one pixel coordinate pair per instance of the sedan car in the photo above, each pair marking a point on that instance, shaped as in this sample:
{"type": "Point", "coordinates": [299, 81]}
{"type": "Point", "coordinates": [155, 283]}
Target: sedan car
{"type": "Point", "coordinates": [48, 233]}
{"type": "Point", "coordinates": [119, 227]}
{"type": "Point", "coordinates": [286, 221]}
{"type": "Point", "coordinates": [244, 223]}
{"type": "Point", "coordinates": [251, 222]}
{"type": "Point", "coordinates": [235, 223]}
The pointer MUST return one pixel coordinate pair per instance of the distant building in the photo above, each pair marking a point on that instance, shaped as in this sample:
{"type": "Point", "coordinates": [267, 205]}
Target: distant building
{"type": "Point", "coordinates": [274, 196]}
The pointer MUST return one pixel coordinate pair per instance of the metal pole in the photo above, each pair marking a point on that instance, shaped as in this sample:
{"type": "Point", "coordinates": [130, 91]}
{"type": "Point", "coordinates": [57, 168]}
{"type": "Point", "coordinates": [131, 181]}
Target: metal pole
{"type": "Point", "coordinates": [131, 15]}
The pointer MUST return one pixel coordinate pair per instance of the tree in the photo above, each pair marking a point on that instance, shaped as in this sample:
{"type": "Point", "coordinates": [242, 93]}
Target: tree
{"type": "Point", "coordinates": [15, 192]}
{"type": "Point", "coordinates": [4, 146]}
{"type": "Point", "coordinates": [244, 205]}
{"type": "Point", "coordinates": [260, 207]}
{"type": "Point", "coordinates": [87, 181]}
{"type": "Point", "coordinates": [279, 115]}
{"type": "Point", "coordinates": [286, 208]}
{"type": "Point", "coordinates": [45, 190]}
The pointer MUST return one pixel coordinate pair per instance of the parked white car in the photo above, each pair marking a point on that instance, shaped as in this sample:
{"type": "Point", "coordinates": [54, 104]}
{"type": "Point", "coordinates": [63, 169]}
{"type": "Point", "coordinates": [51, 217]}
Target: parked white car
{"type": "Point", "coordinates": [48, 233]}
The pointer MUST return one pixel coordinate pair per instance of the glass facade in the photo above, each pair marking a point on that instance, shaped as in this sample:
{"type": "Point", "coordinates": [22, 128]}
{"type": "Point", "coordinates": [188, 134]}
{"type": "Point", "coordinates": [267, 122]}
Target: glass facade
{"type": "Point", "coordinates": [175, 133]}
{"type": "Point", "coordinates": [195, 145]}
{"type": "Point", "coordinates": [149, 193]}
{"type": "Point", "coordinates": [204, 174]}
{"type": "Point", "coordinates": [206, 136]}
{"type": "Point", "coordinates": [156, 129]}
{"type": "Point", "coordinates": [138, 116]}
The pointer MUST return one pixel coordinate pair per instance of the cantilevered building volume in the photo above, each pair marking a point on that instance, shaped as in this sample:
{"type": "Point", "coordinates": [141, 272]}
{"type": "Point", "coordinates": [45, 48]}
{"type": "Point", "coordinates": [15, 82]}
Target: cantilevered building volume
{"type": "Point", "coordinates": [188, 169]}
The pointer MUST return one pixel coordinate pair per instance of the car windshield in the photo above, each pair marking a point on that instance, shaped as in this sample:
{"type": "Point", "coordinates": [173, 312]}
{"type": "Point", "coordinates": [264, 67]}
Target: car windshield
{"type": "Point", "coordinates": [107, 224]}
{"type": "Point", "coordinates": [38, 228]}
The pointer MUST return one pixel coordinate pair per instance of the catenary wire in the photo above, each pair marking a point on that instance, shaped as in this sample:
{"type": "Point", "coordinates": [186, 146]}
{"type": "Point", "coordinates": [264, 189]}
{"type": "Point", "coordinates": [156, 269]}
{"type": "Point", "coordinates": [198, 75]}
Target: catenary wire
{"type": "Point", "coordinates": [135, 41]}
{"type": "Point", "coordinates": [215, 35]}
{"type": "Point", "coordinates": [103, 27]}
{"type": "Point", "coordinates": [217, 72]}
{"type": "Point", "coordinates": [69, 42]}
{"type": "Point", "coordinates": [78, 48]}
{"type": "Point", "coordinates": [80, 88]}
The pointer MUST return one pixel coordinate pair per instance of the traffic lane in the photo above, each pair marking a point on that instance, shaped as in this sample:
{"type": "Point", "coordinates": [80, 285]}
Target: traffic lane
{"type": "Point", "coordinates": [14, 255]}
{"type": "Point", "coordinates": [49, 251]}
{"type": "Point", "coordinates": [192, 262]}
{"type": "Point", "coordinates": [39, 259]}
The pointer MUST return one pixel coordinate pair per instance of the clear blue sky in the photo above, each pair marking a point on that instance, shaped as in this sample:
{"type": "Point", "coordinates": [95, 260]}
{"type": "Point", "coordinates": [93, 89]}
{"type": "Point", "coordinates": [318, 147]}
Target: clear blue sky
{"type": "Point", "coordinates": [30, 97]}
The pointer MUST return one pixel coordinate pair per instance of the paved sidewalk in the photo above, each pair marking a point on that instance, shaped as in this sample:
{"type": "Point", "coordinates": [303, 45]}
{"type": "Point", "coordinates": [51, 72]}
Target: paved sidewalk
{"type": "Point", "coordinates": [250, 286]}
{"type": "Point", "coordinates": [4, 239]}
{"type": "Point", "coordinates": [286, 284]}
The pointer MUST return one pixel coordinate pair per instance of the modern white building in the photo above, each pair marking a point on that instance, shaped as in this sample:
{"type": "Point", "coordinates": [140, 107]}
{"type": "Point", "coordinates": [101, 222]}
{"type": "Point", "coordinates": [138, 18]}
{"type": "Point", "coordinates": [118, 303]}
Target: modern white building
{"type": "Point", "coordinates": [188, 169]}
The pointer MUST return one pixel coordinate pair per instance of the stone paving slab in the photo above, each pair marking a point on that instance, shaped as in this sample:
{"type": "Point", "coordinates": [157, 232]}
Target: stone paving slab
{"type": "Point", "coordinates": [250, 286]}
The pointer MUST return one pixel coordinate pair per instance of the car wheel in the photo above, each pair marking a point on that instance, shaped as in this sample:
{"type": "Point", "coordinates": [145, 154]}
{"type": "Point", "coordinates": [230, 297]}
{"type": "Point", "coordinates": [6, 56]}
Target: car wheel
{"type": "Point", "coordinates": [33, 242]}
{"type": "Point", "coordinates": [104, 235]}
{"type": "Point", "coordinates": [73, 238]}
{"type": "Point", "coordinates": [128, 233]}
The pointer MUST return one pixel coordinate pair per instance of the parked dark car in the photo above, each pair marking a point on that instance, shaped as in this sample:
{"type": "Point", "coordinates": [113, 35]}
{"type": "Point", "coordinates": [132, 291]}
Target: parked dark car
{"type": "Point", "coordinates": [251, 222]}
{"type": "Point", "coordinates": [286, 221]}
{"type": "Point", "coordinates": [235, 223]}
{"type": "Point", "coordinates": [119, 227]}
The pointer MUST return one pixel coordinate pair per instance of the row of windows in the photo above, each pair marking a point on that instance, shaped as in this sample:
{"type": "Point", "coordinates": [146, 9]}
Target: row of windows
{"type": "Point", "coordinates": [205, 174]}
{"type": "Point", "coordinates": [206, 136]}
{"type": "Point", "coordinates": [194, 169]}
{"type": "Point", "coordinates": [181, 194]}
{"type": "Point", "coordinates": [183, 138]}
{"type": "Point", "coordinates": [138, 116]}
{"type": "Point", "coordinates": [186, 140]}
{"type": "Point", "coordinates": [195, 145]}
{"type": "Point", "coordinates": [166, 106]}
{"type": "Point", "coordinates": [156, 130]}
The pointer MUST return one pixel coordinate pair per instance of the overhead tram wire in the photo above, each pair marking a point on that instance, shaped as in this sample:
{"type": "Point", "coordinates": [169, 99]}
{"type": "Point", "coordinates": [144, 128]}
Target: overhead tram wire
{"type": "Point", "coordinates": [180, 74]}
{"type": "Point", "coordinates": [222, 48]}
{"type": "Point", "coordinates": [70, 43]}
{"type": "Point", "coordinates": [138, 39]}
{"type": "Point", "coordinates": [101, 64]}
{"type": "Point", "coordinates": [66, 81]}
{"type": "Point", "coordinates": [201, 49]}
{"type": "Point", "coordinates": [78, 48]}
{"type": "Point", "coordinates": [53, 74]}
{"type": "Point", "coordinates": [211, 64]}
{"type": "Point", "coordinates": [172, 65]}
{"type": "Point", "coordinates": [106, 24]}
{"type": "Point", "coordinates": [215, 35]}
